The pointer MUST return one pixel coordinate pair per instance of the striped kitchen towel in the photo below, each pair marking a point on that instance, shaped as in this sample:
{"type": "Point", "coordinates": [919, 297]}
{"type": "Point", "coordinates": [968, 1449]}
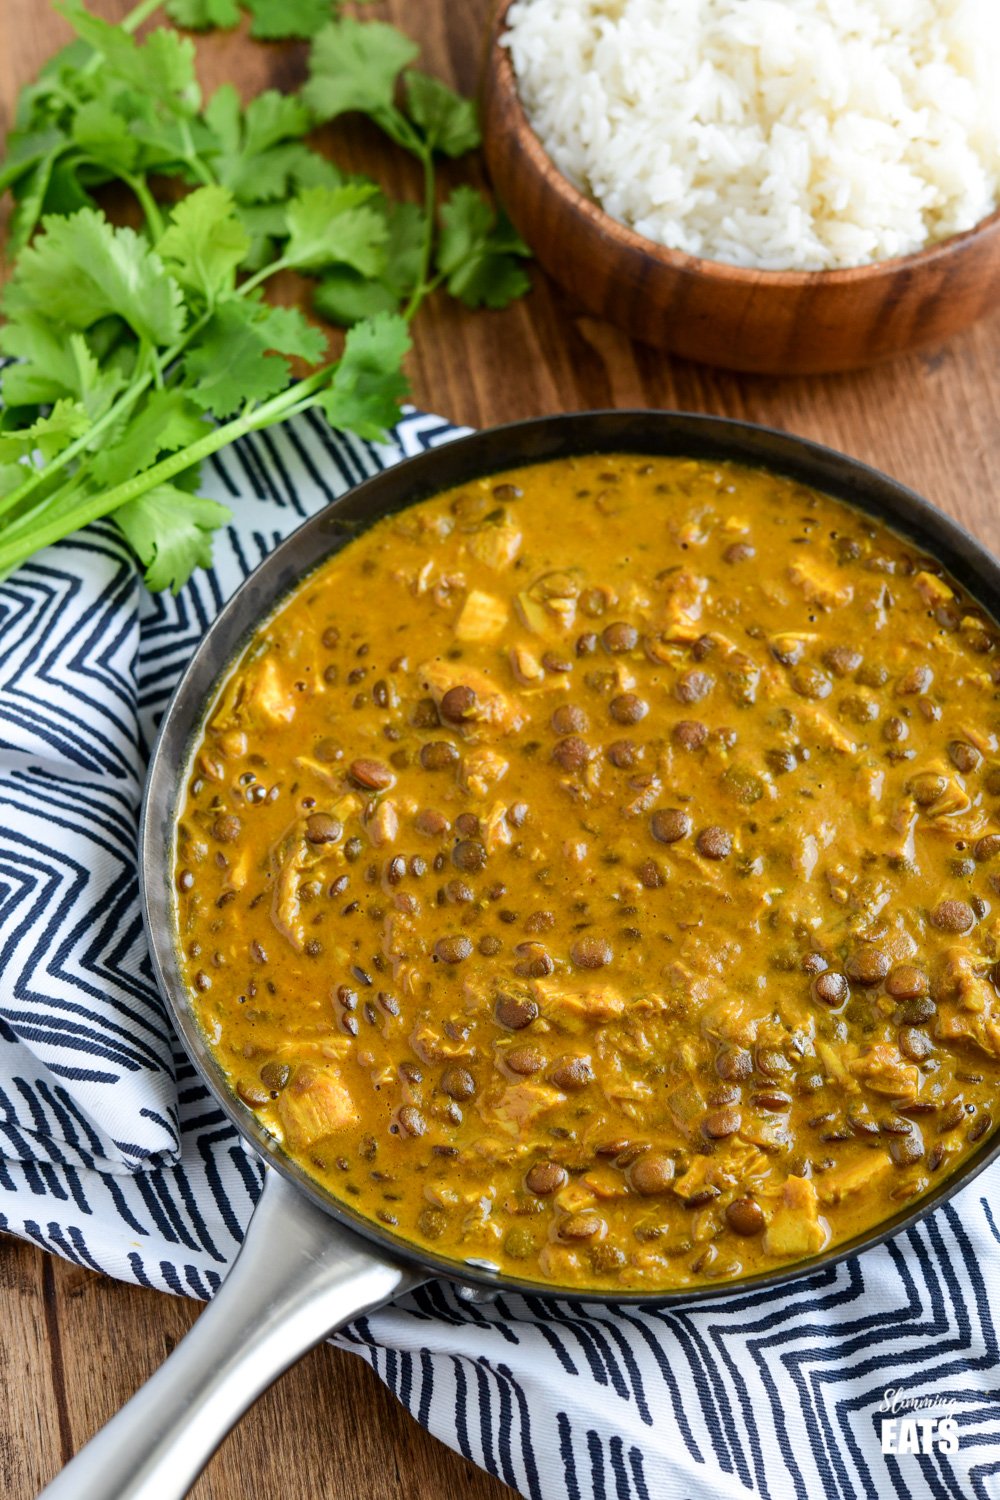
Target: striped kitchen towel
{"type": "Point", "coordinates": [113, 1154]}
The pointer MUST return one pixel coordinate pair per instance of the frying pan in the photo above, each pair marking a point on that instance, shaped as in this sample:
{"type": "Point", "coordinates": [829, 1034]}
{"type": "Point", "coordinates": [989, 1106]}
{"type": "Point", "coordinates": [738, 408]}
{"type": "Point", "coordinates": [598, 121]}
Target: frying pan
{"type": "Point", "coordinates": [309, 1263]}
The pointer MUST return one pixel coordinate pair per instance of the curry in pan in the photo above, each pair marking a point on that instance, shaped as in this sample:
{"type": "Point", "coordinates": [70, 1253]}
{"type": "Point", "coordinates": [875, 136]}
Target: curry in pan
{"type": "Point", "coordinates": [592, 872]}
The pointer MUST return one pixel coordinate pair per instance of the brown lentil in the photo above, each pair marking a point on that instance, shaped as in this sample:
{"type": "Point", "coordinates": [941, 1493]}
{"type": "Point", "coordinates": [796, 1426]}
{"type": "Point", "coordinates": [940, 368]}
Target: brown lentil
{"type": "Point", "coordinates": [714, 843]}
{"type": "Point", "coordinates": [669, 825]}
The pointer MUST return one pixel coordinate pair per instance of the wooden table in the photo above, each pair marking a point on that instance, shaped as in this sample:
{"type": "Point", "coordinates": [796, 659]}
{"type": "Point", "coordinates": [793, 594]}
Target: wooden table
{"type": "Point", "coordinates": [73, 1345]}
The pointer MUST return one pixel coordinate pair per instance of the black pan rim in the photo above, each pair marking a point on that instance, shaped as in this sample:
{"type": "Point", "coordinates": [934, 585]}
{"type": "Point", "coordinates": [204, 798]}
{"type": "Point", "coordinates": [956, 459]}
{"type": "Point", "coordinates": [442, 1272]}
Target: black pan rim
{"type": "Point", "coordinates": [456, 461]}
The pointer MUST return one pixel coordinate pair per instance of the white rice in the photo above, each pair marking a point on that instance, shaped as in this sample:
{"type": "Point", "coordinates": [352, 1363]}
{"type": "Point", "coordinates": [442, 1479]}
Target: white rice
{"type": "Point", "coordinates": [781, 134]}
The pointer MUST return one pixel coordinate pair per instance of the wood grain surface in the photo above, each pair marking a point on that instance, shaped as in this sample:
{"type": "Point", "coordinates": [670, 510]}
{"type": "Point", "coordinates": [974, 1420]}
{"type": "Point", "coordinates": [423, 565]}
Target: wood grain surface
{"type": "Point", "coordinates": [74, 1346]}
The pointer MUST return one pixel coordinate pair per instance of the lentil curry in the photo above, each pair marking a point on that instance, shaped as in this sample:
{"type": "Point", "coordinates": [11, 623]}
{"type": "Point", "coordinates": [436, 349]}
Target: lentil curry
{"type": "Point", "coordinates": [591, 871]}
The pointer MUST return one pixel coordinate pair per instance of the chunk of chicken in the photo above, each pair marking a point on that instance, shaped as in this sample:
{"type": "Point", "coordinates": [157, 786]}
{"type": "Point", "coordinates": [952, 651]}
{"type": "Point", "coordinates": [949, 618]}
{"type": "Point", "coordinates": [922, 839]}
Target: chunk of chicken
{"type": "Point", "coordinates": [959, 981]}
{"type": "Point", "coordinates": [495, 546]}
{"type": "Point", "coordinates": [882, 1069]}
{"type": "Point", "coordinates": [493, 710]}
{"type": "Point", "coordinates": [840, 1182]}
{"type": "Point", "coordinates": [595, 1002]}
{"type": "Point", "coordinates": [679, 617]}
{"type": "Point", "coordinates": [270, 698]}
{"type": "Point", "coordinates": [559, 1263]}
{"type": "Point", "coordinates": [769, 1132]}
{"type": "Point", "coordinates": [795, 1227]}
{"type": "Point", "coordinates": [933, 591]}
{"type": "Point", "coordinates": [383, 825]}
{"type": "Point", "coordinates": [483, 617]}
{"type": "Point", "coordinates": [705, 1178]}
{"type": "Point", "coordinates": [836, 1065]}
{"type": "Point", "coordinates": [526, 666]}
{"type": "Point", "coordinates": [481, 769]}
{"type": "Point", "coordinates": [258, 698]}
{"type": "Point", "coordinates": [495, 828]}
{"type": "Point", "coordinates": [313, 1106]}
{"type": "Point", "coordinates": [819, 584]}
{"type": "Point", "coordinates": [519, 1106]}
{"type": "Point", "coordinates": [432, 1045]}
{"type": "Point", "coordinates": [603, 1182]}
{"type": "Point", "coordinates": [823, 730]}
{"type": "Point", "coordinates": [290, 857]}
{"type": "Point", "coordinates": [975, 1031]}
{"type": "Point", "coordinates": [966, 1006]}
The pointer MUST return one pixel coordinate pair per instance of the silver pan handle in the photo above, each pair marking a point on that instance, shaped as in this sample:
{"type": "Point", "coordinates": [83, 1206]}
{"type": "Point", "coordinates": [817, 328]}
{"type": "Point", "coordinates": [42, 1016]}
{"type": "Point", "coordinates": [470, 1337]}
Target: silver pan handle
{"type": "Point", "coordinates": [298, 1277]}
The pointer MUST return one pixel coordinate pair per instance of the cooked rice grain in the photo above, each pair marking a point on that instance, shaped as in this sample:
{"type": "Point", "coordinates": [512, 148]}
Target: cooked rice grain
{"type": "Point", "coordinates": [782, 134]}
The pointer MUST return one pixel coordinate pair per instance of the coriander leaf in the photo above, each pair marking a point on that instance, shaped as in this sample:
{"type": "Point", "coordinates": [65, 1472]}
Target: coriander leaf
{"type": "Point", "coordinates": [286, 330]}
{"type": "Point", "coordinates": [466, 220]}
{"type": "Point", "coordinates": [171, 533]}
{"type": "Point", "coordinates": [229, 364]}
{"type": "Point", "coordinates": [46, 436]}
{"type": "Point", "coordinates": [448, 121]}
{"type": "Point", "coordinates": [258, 155]}
{"type": "Point", "coordinates": [335, 226]}
{"type": "Point", "coordinates": [310, 168]}
{"type": "Point", "coordinates": [161, 68]}
{"type": "Point", "coordinates": [165, 143]}
{"type": "Point", "coordinates": [30, 192]}
{"type": "Point", "coordinates": [50, 366]}
{"type": "Point", "coordinates": [405, 247]}
{"type": "Point", "coordinates": [65, 193]}
{"type": "Point", "coordinates": [41, 103]}
{"type": "Point", "coordinates": [45, 368]}
{"type": "Point", "coordinates": [273, 174]}
{"type": "Point", "coordinates": [203, 15]}
{"type": "Point", "coordinates": [164, 422]}
{"type": "Point", "coordinates": [95, 385]}
{"type": "Point", "coordinates": [104, 136]}
{"type": "Point", "coordinates": [345, 297]}
{"type": "Point", "coordinates": [275, 19]}
{"type": "Point", "coordinates": [264, 219]}
{"type": "Point", "coordinates": [273, 117]}
{"type": "Point", "coordinates": [369, 384]}
{"type": "Point", "coordinates": [205, 242]}
{"type": "Point", "coordinates": [25, 149]}
{"type": "Point", "coordinates": [265, 225]}
{"type": "Point", "coordinates": [223, 116]}
{"type": "Point", "coordinates": [80, 269]}
{"type": "Point", "coordinates": [355, 65]}
{"type": "Point", "coordinates": [477, 252]}
{"type": "Point", "coordinates": [53, 367]}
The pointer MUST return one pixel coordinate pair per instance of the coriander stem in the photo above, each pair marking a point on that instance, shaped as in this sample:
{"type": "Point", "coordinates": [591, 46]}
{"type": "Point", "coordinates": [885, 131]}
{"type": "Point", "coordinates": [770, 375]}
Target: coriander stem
{"type": "Point", "coordinates": [126, 400]}
{"type": "Point", "coordinates": [421, 294]}
{"type": "Point", "coordinates": [192, 158]}
{"type": "Point", "coordinates": [93, 507]}
{"type": "Point", "coordinates": [421, 288]}
{"type": "Point", "coordinates": [38, 476]}
{"type": "Point", "coordinates": [140, 13]}
{"type": "Point", "coordinates": [146, 202]}
{"type": "Point", "coordinates": [272, 269]}
{"type": "Point", "coordinates": [129, 23]}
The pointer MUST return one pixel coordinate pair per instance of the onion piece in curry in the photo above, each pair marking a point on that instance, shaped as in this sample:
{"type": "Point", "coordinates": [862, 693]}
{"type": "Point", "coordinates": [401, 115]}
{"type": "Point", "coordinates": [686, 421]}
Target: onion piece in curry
{"type": "Point", "coordinates": [593, 871]}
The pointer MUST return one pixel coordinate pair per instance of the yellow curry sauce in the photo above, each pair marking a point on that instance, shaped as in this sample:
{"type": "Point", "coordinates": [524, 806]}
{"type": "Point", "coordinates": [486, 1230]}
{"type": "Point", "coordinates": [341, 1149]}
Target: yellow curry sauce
{"type": "Point", "coordinates": [592, 871]}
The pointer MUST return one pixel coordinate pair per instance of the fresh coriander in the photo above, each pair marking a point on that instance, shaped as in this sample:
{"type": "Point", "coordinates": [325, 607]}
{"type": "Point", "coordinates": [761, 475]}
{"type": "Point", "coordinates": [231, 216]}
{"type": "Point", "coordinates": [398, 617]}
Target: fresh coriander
{"type": "Point", "coordinates": [139, 352]}
{"type": "Point", "coordinates": [271, 20]}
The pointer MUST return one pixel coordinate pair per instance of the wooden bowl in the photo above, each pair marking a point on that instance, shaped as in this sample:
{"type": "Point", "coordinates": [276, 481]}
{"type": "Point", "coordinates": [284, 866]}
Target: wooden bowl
{"type": "Point", "coordinates": [771, 322]}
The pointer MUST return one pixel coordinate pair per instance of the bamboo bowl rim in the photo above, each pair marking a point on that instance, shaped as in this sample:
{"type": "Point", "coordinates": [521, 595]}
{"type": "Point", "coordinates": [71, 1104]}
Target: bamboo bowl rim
{"type": "Point", "coordinates": [500, 65]}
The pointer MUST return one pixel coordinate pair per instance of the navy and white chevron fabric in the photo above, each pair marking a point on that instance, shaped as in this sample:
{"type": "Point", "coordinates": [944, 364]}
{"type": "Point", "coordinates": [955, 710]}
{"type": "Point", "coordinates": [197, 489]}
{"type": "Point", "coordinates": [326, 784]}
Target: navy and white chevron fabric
{"type": "Point", "coordinates": [113, 1154]}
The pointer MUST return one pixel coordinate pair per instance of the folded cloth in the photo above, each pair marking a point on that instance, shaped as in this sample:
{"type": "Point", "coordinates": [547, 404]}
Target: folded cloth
{"type": "Point", "coordinates": [116, 1156]}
